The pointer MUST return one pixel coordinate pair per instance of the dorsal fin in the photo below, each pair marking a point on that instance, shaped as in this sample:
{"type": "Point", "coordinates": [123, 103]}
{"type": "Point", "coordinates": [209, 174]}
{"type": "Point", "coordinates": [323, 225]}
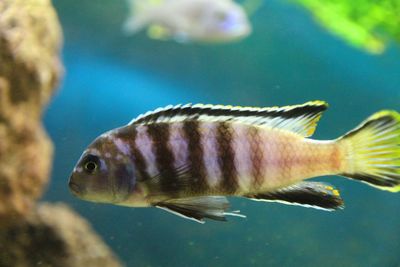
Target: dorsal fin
{"type": "Point", "coordinates": [301, 119]}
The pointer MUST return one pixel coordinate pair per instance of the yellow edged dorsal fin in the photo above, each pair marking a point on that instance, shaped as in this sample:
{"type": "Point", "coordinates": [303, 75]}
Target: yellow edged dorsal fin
{"type": "Point", "coordinates": [300, 119]}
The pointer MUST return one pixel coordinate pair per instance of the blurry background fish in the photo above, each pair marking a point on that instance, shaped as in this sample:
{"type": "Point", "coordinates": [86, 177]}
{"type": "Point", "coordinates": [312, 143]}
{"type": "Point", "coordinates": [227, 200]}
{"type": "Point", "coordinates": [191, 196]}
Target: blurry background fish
{"type": "Point", "coordinates": [188, 20]}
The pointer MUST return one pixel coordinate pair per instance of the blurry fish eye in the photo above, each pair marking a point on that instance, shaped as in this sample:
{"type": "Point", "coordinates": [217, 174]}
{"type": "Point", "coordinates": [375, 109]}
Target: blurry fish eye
{"type": "Point", "coordinates": [91, 164]}
{"type": "Point", "coordinates": [221, 16]}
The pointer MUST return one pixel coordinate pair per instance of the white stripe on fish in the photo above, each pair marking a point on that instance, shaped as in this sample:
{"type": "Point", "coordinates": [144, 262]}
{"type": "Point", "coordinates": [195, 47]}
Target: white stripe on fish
{"type": "Point", "coordinates": [210, 153]}
{"type": "Point", "coordinates": [242, 152]}
{"type": "Point", "coordinates": [178, 145]}
{"type": "Point", "coordinates": [145, 145]}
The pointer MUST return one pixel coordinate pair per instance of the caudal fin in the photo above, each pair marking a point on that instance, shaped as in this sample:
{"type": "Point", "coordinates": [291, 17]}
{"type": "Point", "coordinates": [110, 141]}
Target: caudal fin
{"type": "Point", "coordinates": [372, 151]}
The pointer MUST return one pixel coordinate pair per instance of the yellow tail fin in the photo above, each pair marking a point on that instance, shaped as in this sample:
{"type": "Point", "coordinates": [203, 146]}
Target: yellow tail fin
{"type": "Point", "coordinates": [373, 151]}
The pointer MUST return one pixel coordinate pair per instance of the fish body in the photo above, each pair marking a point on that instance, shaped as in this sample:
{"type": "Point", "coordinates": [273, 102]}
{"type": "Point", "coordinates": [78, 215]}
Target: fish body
{"type": "Point", "coordinates": [222, 158]}
{"type": "Point", "coordinates": [188, 20]}
{"type": "Point", "coordinates": [186, 159]}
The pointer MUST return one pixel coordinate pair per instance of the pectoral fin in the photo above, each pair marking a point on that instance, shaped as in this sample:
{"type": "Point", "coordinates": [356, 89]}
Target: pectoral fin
{"type": "Point", "coordinates": [308, 194]}
{"type": "Point", "coordinates": [198, 208]}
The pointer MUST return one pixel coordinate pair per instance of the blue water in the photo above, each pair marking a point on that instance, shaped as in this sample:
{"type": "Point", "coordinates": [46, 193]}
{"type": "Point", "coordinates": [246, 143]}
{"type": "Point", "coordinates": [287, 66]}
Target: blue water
{"type": "Point", "coordinates": [288, 59]}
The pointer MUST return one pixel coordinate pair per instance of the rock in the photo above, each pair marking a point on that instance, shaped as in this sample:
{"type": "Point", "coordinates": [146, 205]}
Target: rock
{"type": "Point", "coordinates": [30, 69]}
{"type": "Point", "coordinates": [53, 235]}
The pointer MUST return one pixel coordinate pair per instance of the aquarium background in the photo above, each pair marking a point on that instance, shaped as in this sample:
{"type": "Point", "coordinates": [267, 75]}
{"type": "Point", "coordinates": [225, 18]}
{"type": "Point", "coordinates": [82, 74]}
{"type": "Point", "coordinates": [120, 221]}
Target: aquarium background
{"type": "Point", "coordinates": [288, 59]}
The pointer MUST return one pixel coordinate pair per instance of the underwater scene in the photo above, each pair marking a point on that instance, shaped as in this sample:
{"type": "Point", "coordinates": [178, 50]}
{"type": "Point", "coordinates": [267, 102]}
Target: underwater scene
{"type": "Point", "coordinates": [235, 63]}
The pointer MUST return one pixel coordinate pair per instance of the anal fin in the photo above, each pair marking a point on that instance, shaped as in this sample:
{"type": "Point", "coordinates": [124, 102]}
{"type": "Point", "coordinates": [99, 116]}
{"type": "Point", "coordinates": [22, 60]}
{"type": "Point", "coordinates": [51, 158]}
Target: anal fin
{"type": "Point", "coordinates": [198, 208]}
{"type": "Point", "coordinates": [308, 194]}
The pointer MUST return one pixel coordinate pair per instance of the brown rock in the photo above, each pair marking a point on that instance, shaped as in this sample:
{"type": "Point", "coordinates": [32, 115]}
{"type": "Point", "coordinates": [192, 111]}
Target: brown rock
{"type": "Point", "coordinates": [53, 235]}
{"type": "Point", "coordinates": [30, 69]}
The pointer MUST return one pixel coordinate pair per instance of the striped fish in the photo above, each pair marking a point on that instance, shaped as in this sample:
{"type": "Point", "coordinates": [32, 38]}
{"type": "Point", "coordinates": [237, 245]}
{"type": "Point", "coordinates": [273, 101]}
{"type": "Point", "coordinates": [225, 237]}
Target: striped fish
{"type": "Point", "coordinates": [187, 158]}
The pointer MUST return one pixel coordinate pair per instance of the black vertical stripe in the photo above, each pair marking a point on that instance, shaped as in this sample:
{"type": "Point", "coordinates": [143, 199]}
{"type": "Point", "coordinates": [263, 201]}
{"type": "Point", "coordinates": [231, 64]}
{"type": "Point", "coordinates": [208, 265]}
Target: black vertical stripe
{"type": "Point", "coordinates": [129, 134]}
{"type": "Point", "coordinates": [168, 178]}
{"type": "Point", "coordinates": [196, 166]}
{"type": "Point", "coordinates": [226, 158]}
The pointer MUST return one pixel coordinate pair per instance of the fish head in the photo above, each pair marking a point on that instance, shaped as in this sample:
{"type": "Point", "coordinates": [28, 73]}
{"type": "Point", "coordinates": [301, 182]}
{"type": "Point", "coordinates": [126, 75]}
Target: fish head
{"type": "Point", "coordinates": [225, 21]}
{"type": "Point", "coordinates": [104, 173]}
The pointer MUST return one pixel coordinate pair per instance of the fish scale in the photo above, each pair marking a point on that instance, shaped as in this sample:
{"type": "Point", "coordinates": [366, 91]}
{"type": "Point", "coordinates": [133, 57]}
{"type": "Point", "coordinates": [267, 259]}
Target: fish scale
{"type": "Point", "coordinates": [257, 157]}
{"type": "Point", "coordinates": [228, 183]}
{"type": "Point", "coordinates": [195, 156]}
{"type": "Point", "coordinates": [210, 155]}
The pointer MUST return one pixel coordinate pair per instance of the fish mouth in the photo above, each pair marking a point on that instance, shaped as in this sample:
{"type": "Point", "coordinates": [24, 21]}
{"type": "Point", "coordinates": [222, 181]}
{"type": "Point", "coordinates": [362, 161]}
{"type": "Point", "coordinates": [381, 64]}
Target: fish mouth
{"type": "Point", "coordinates": [75, 188]}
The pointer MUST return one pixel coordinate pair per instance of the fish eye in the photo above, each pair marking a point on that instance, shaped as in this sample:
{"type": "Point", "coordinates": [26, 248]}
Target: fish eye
{"type": "Point", "coordinates": [221, 16]}
{"type": "Point", "coordinates": [90, 166]}
{"type": "Point", "coordinates": [91, 163]}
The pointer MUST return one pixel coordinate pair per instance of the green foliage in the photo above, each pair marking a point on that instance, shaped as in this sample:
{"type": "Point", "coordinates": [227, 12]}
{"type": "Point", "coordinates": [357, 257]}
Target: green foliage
{"type": "Point", "coordinates": [365, 24]}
